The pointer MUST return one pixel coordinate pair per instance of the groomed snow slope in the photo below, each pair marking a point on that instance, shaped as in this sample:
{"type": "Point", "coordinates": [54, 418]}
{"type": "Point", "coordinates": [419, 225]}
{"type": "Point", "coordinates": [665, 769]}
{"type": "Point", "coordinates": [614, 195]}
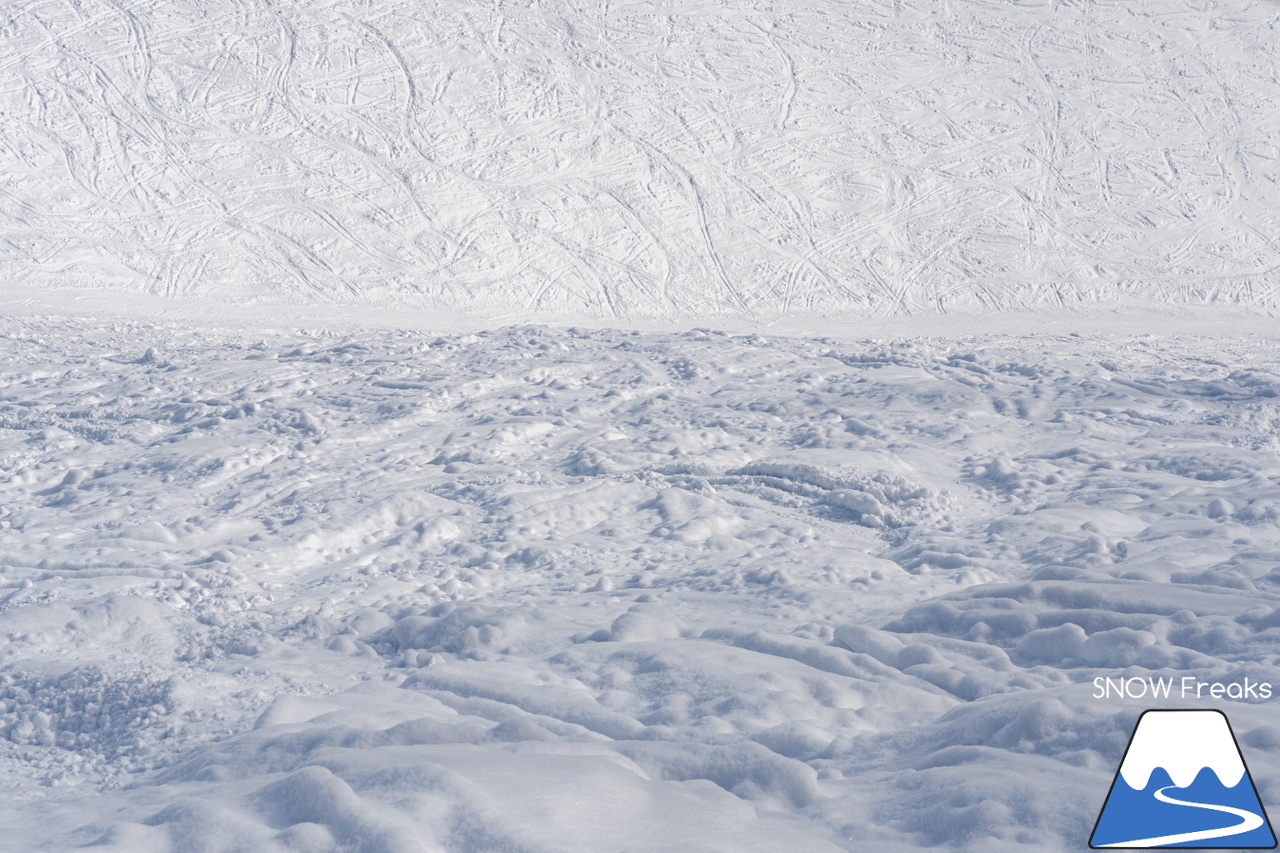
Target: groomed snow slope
{"type": "Point", "coordinates": [622, 159]}
{"type": "Point", "coordinates": [538, 590]}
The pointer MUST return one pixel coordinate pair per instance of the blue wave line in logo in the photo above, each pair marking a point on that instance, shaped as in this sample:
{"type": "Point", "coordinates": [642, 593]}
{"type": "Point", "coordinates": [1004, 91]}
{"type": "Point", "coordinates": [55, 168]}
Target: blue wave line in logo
{"type": "Point", "coordinates": [1164, 815]}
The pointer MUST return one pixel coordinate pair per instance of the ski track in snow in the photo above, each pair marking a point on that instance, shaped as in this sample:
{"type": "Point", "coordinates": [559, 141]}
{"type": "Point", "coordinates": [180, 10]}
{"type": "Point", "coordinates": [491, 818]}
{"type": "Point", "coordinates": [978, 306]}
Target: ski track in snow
{"type": "Point", "coordinates": [622, 160]}
{"type": "Point", "coordinates": [562, 590]}
{"type": "Point", "coordinates": [537, 589]}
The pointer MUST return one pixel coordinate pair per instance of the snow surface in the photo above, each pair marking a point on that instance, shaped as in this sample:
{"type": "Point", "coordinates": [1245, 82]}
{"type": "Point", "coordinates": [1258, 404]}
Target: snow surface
{"type": "Point", "coordinates": [587, 590]}
{"type": "Point", "coordinates": [321, 529]}
{"type": "Point", "coordinates": [629, 159]}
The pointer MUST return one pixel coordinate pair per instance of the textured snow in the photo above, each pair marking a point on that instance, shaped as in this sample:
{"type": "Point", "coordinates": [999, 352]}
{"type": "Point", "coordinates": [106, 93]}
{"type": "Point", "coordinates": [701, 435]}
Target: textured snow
{"type": "Point", "coordinates": [627, 159]}
{"type": "Point", "coordinates": [323, 530]}
{"type": "Point", "coordinates": [540, 589]}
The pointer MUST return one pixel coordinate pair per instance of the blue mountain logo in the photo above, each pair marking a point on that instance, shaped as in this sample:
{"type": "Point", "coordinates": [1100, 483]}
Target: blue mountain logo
{"type": "Point", "coordinates": [1183, 783]}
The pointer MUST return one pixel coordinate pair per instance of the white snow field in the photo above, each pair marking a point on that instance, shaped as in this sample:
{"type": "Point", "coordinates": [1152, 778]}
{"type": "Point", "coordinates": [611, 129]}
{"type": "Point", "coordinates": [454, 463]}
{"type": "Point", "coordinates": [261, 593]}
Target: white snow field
{"type": "Point", "coordinates": [634, 159]}
{"type": "Point", "coordinates": [323, 531]}
{"type": "Point", "coordinates": [566, 590]}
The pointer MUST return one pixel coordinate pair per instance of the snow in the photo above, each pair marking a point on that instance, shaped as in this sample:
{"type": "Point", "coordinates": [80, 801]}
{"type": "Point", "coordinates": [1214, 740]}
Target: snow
{"type": "Point", "coordinates": [475, 427]}
{"type": "Point", "coordinates": [571, 589]}
{"type": "Point", "coordinates": [630, 160]}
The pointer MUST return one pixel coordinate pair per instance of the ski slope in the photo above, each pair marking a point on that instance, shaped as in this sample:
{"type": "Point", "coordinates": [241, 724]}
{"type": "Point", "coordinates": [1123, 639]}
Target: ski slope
{"type": "Point", "coordinates": [637, 160]}
{"type": "Point", "coordinates": [323, 530]}
{"type": "Point", "coordinates": [569, 590]}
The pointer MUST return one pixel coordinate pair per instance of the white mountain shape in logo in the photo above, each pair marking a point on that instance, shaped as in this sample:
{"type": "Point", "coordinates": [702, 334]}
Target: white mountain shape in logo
{"type": "Point", "coordinates": [1182, 782]}
{"type": "Point", "coordinates": [1183, 743]}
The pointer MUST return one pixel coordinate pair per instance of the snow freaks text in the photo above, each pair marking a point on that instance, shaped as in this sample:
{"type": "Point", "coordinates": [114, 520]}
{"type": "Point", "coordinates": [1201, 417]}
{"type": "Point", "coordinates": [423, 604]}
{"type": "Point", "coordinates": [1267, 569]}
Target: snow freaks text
{"type": "Point", "coordinates": [1186, 687]}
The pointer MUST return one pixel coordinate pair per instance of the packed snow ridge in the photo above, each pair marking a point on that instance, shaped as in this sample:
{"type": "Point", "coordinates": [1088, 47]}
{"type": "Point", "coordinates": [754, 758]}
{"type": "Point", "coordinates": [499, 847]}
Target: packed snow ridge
{"type": "Point", "coordinates": [624, 159]}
